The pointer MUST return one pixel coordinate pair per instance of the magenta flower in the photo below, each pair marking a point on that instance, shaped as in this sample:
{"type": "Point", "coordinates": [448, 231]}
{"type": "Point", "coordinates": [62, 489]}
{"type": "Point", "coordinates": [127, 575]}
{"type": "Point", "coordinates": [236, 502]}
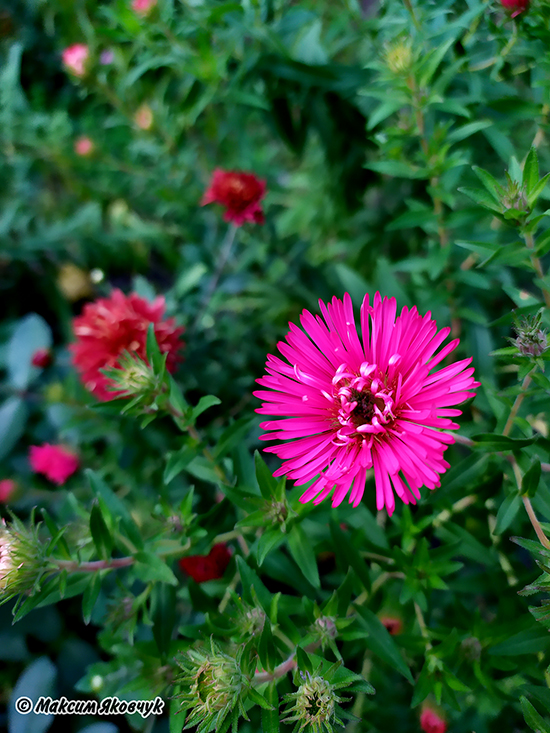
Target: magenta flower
{"type": "Point", "coordinates": [348, 406]}
{"type": "Point", "coordinates": [75, 58]}
{"type": "Point", "coordinates": [56, 462]}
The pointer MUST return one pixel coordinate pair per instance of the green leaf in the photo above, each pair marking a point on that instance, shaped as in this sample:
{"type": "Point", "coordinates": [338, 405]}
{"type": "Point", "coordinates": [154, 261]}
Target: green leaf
{"type": "Point", "coordinates": [232, 436]}
{"type": "Point", "coordinates": [90, 596]}
{"type": "Point", "coordinates": [530, 641]}
{"type": "Point", "coordinates": [537, 189]}
{"type": "Point", "coordinates": [465, 131]}
{"type": "Point", "coordinates": [257, 698]}
{"type": "Point", "coordinates": [268, 542]}
{"type": "Point", "coordinates": [116, 507]}
{"type": "Point", "coordinates": [302, 552]}
{"type": "Point", "coordinates": [507, 513]}
{"type": "Point", "coordinates": [490, 183]}
{"type": "Point", "coordinates": [37, 680]}
{"type": "Point", "coordinates": [13, 416]}
{"type": "Point", "coordinates": [533, 719]}
{"type": "Point", "coordinates": [396, 168]}
{"type": "Point", "coordinates": [203, 405]}
{"type": "Point", "coordinates": [177, 462]}
{"type": "Point", "coordinates": [531, 171]}
{"type": "Point", "coordinates": [493, 442]}
{"type": "Point", "coordinates": [348, 554]}
{"type": "Point", "coordinates": [531, 479]}
{"type": "Point", "coordinates": [266, 482]}
{"type": "Point", "coordinates": [202, 469]}
{"type": "Point", "coordinates": [151, 567]}
{"type": "Point", "coordinates": [163, 614]}
{"type": "Point", "coordinates": [100, 533]}
{"type": "Point", "coordinates": [154, 356]}
{"type": "Point", "coordinates": [250, 580]}
{"type": "Point", "coordinates": [482, 198]}
{"type": "Point", "coordinates": [381, 643]}
{"type": "Point", "coordinates": [303, 661]}
{"type": "Point", "coordinates": [270, 717]}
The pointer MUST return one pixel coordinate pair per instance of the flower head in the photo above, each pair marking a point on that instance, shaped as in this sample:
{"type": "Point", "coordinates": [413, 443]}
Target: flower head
{"type": "Point", "coordinates": [432, 722]}
{"type": "Point", "coordinates": [532, 340]}
{"type": "Point", "coordinates": [143, 7]}
{"type": "Point", "coordinates": [75, 58]}
{"type": "Point", "coordinates": [83, 146]}
{"type": "Point", "coordinates": [111, 326]}
{"type": "Point", "coordinates": [42, 358]}
{"type": "Point", "coordinates": [240, 194]}
{"type": "Point", "coordinates": [349, 405]}
{"type": "Point", "coordinates": [516, 6]}
{"type": "Point", "coordinates": [21, 558]}
{"type": "Point", "coordinates": [207, 567]}
{"type": "Point", "coordinates": [7, 487]}
{"type": "Point", "coordinates": [56, 462]}
{"type": "Point", "coordinates": [314, 705]}
{"type": "Point", "coordinates": [399, 56]}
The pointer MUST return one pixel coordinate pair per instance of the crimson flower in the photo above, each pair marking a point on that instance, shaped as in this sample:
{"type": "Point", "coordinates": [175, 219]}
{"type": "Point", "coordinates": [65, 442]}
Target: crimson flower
{"type": "Point", "coordinates": [75, 58]}
{"type": "Point", "coordinates": [346, 405]}
{"type": "Point", "coordinates": [42, 358]}
{"type": "Point", "coordinates": [207, 567]}
{"type": "Point", "coordinates": [431, 722]}
{"type": "Point", "coordinates": [393, 624]}
{"type": "Point", "coordinates": [240, 194]}
{"type": "Point", "coordinates": [56, 462]}
{"type": "Point", "coordinates": [7, 487]}
{"type": "Point", "coordinates": [110, 326]}
{"type": "Point", "coordinates": [516, 6]}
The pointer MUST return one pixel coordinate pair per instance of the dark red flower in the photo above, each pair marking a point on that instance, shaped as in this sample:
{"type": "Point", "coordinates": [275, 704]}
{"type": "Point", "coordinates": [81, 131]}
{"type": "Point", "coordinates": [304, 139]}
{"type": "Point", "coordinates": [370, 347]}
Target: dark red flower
{"type": "Point", "coordinates": [110, 326]}
{"type": "Point", "coordinates": [516, 6]}
{"type": "Point", "coordinates": [432, 722]}
{"type": "Point", "coordinates": [42, 358]}
{"type": "Point", "coordinates": [7, 487]}
{"type": "Point", "coordinates": [207, 567]}
{"type": "Point", "coordinates": [239, 192]}
{"type": "Point", "coordinates": [56, 462]}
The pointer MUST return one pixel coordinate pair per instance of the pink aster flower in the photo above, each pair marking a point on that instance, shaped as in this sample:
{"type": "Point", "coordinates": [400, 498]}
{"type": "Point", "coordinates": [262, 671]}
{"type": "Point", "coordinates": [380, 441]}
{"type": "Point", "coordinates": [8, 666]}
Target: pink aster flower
{"type": "Point", "coordinates": [240, 194]}
{"type": "Point", "coordinates": [7, 487]}
{"type": "Point", "coordinates": [56, 462]}
{"type": "Point", "coordinates": [109, 327]}
{"type": "Point", "coordinates": [143, 7]}
{"type": "Point", "coordinates": [75, 58]}
{"type": "Point", "coordinates": [346, 405]}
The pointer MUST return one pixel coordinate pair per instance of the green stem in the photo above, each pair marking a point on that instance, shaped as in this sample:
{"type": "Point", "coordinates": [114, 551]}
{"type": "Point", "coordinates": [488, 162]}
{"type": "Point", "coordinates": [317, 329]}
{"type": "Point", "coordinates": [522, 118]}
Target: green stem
{"type": "Point", "coordinates": [517, 403]}
{"type": "Point", "coordinates": [225, 253]}
{"type": "Point", "coordinates": [530, 242]}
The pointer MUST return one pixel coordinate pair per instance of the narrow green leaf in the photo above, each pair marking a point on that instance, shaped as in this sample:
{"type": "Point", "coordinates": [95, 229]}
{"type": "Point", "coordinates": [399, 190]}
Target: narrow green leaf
{"type": "Point", "coordinates": [90, 596]}
{"type": "Point", "coordinates": [302, 553]}
{"type": "Point", "coordinates": [151, 567]}
{"type": "Point", "coordinates": [116, 507]}
{"type": "Point", "coordinates": [537, 189]}
{"type": "Point", "coordinates": [203, 405]}
{"type": "Point", "coordinates": [348, 554]}
{"type": "Point", "coordinates": [491, 184]}
{"type": "Point", "coordinates": [232, 436]}
{"type": "Point", "coordinates": [266, 482]}
{"type": "Point", "coordinates": [177, 462]}
{"type": "Point", "coordinates": [268, 542]}
{"type": "Point", "coordinates": [507, 513]}
{"type": "Point", "coordinates": [270, 717]}
{"type": "Point", "coordinates": [533, 719]}
{"type": "Point", "coordinates": [493, 442]}
{"type": "Point", "coordinates": [250, 580]}
{"type": "Point", "coordinates": [531, 171]}
{"type": "Point", "coordinates": [381, 643]}
{"type": "Point", "coordinates": [531, 479]}
{"type": "Point", "coordinates": [100, 533]}
{"type": "Point", "coordinates": [260, 700]}
{"type": "Point", "coordinates": [481, 197]}
{"type": "Point", "coordinates": [163, 614]}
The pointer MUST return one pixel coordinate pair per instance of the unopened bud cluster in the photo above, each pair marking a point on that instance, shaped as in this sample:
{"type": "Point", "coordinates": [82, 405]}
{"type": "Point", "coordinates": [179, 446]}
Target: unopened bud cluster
{"type": "Point", "coordinates": [133, 378]}
{"type": "Point", "coordinates": [399, 57]}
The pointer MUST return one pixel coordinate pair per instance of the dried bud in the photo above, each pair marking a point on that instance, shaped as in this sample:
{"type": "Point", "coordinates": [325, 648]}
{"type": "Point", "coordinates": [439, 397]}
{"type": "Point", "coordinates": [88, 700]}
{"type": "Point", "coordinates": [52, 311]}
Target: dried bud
{"type": "Point", "coordinates": [212, 685]}
{"type": "Point", "coordinates": [314, 705]}
{"type": "Point", "coordinates": [399, 57]}
{"type": "Point", "coordinates": [531, 338]}
{"type": "Point", "coordinates": [21, 558]}
{"type": "Point", "coordinates": [471, 648]}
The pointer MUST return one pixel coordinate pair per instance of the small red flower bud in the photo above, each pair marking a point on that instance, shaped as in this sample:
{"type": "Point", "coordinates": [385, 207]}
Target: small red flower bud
{"type": "Point", "coordinates": [432, 722]}
{"type": "Point", "coordinates": [207, 567]}
{"type": "Point", "coordinates": [516, 6]}
{"type": "Point", "coordinates": [7, 487]}
{"type": "Point", "coordinates": [42, 358]}
{"type": "Point", "coordinates": [240, 194]}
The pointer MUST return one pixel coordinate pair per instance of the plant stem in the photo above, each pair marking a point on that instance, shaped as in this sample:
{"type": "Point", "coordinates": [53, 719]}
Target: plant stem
{"type": "Point", "coordinates": [410, 8]}
{"type": "Point", "coordinates": [286, 666]}
{"type": "Point", "coordinates": [529, 508]}
{"type": "Point", "coordinates": [225, 253]}
{"type": "Point", "coordinates": [94, 566]}
{"type": "Point", "coordinates": [517, 404]}
{"type": "Point", "coordinates": [423, 628]}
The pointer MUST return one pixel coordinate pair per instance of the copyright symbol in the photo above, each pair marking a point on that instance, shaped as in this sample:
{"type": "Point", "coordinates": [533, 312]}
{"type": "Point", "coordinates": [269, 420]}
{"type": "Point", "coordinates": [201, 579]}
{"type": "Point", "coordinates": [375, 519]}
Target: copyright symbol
{"type": "Point", "coordinates": [23, 705]}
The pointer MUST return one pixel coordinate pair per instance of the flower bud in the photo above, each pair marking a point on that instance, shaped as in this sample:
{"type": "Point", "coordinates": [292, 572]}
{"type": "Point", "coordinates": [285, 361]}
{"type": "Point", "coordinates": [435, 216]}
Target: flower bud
{"type": "Point", "coordinates": [42, 358]}
{"type": "Point", "coordinates": [132, 377]}
{"type": "Point", "coordinates": [143, 7]}
{"type": "Point", "coordinates": [21, 558]}
{"type": "Point", "coordinates": [83, 146]}
{"type": "Point", "coordinates": [212, 682]}
{"type": "Point", "coordinates": [314, 704]}
{"type": "Point", "coordinates": [531, 339]}
{"type": "Point", "coordinates": [515, 7]}
{"type": "Point", "coordinates": [144, 117]}
{"type": "Point", "coordinates": [7, 487]}
{"type": "Point", "coordinates": [393, 623]}
{"type": "Point", "coordinates": [324, 629]}
{"type": "Point", "coordinates": [471, 648]}
{"type": "Point", "coordinates": [75, 59]}
{"type": "Point", "coordinates": [432, 722]}
{"type": "Point", "coordinates": [399, 57]}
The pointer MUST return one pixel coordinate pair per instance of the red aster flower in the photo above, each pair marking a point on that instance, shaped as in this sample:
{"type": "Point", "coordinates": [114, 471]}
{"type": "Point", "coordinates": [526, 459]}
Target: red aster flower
{"type": "Point", "coordinates": [119, 323]}
{"type": "Point", "coordinates": [345, 406]}
{"type": "Point", "coordinates": [207, 567]}
{"type": "Point", "coordinates": [7, 487]}
{"type": "Point", "coordinates": [392, 623]}
{"type": "Point", "coordinates": [56, 462]}
{"type": "Point", "coordinates": [516, 6]}
{"type": "Point", "coordinates": [432, 722]}
{"type": "Point", "coordinates": [240, 193]}
{"type": "Point", "coordinates": [42, 358]}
